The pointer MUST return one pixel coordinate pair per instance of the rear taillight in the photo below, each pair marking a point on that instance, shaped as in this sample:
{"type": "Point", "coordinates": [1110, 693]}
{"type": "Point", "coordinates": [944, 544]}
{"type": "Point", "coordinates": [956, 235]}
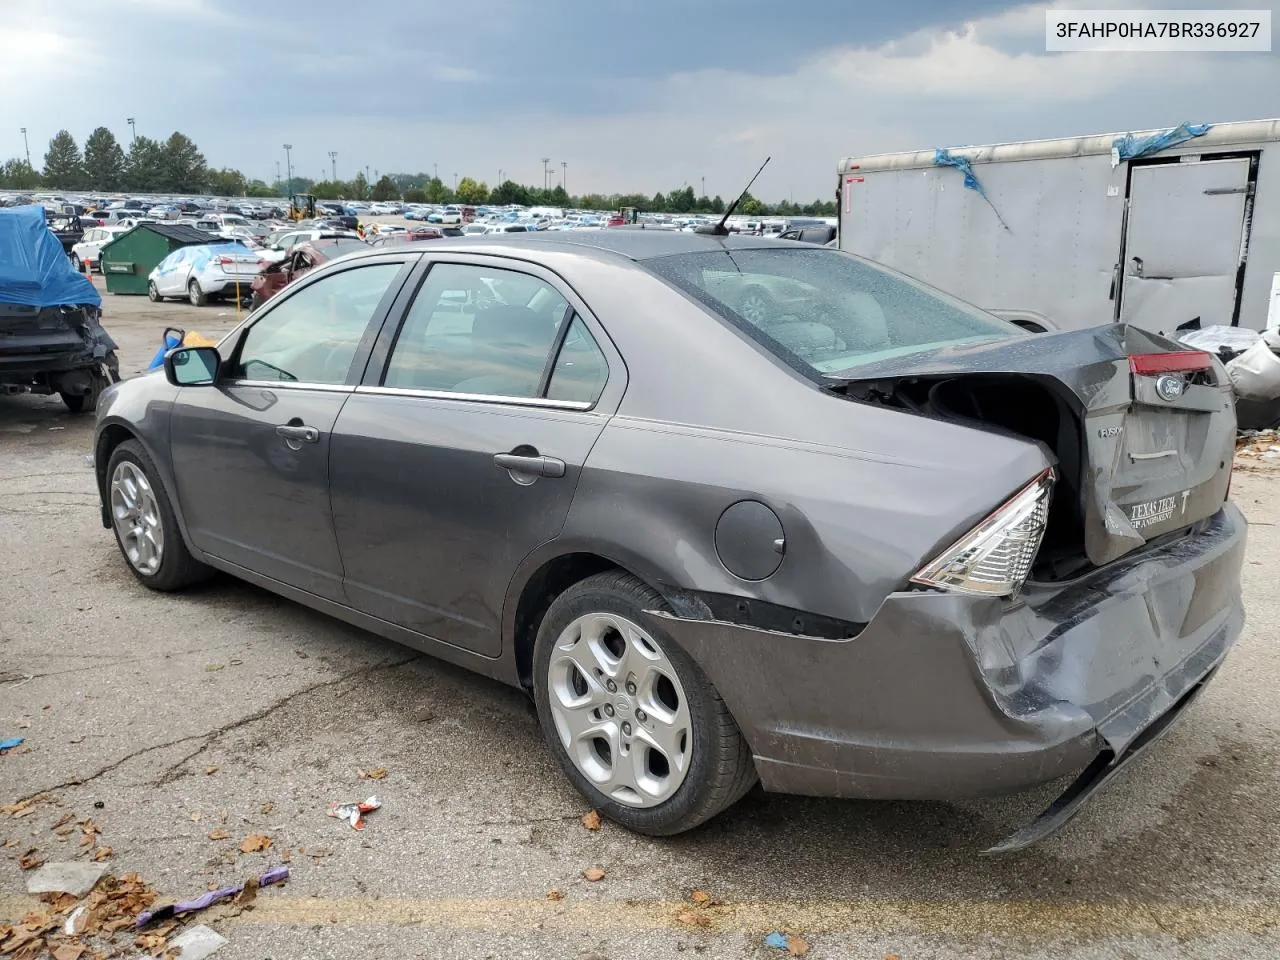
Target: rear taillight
{"type": "Point", "coordinates": [994, 559]}
{"type": "Point", "coordinates": [1181, 361]}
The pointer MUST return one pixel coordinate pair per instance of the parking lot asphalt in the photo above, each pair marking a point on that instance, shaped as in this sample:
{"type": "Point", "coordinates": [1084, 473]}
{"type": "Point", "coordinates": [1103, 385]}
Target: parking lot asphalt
{"type": "Point", "coordinates": [174, 720]}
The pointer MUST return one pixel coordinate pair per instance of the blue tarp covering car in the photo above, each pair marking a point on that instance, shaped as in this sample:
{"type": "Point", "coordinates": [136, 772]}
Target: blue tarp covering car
{"type": "Point", "coordinates": [34, 269]}
{"type": "Point", "coordinates": [51, 335]}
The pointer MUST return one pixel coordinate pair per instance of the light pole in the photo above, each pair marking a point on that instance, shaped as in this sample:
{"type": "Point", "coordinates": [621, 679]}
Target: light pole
{"type": "Point", "coordinates": [435, 171]}
{"type": "Point", "coordinates": [455, 185]}
{"type": "Point", "coordinates": [564, 176]}
{"type": "Point", "coordinates": [704, 186]}
{"type": "Point", "coordinates": [333, 165]}
{"type": "Point", "coordinates": [133, 130]}
{"type": "Point", "coordinates": [26, 146]}
{"type": "Point", "coordinates": [277, 174]}
{"type": "Point", "coordinates": [545, 161]}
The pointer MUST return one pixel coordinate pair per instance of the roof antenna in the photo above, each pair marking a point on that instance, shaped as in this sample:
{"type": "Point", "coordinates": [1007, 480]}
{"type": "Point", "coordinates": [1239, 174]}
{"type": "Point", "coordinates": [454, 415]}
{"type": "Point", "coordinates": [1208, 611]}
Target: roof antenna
{"type": "Point", "coordinates": [719, 229]}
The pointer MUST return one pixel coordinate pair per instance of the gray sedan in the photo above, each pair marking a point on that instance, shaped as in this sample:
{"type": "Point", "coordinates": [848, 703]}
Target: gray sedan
{"type": "Point", "coordinates": [732, 510]}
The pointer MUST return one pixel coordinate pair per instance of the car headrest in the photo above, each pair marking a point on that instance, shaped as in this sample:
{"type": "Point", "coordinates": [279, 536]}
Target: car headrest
{"type": "Point", "coordinates": [507, 324]}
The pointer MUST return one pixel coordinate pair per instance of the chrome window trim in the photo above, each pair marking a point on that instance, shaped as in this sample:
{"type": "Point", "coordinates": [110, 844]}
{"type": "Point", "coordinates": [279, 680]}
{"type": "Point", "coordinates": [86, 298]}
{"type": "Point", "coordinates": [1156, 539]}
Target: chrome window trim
{"type": "Point", "coordinates": [542, 402]}
{"type": "Point", "coordinates": [291, 385]}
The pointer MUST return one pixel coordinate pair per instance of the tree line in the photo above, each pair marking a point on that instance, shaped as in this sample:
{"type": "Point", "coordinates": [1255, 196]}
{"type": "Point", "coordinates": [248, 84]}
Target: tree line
{"type": "Point", "coordinates": [177, 166]}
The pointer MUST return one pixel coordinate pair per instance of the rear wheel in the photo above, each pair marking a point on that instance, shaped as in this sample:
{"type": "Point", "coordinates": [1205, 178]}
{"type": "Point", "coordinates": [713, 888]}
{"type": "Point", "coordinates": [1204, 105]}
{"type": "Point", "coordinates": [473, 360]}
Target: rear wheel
{"type": "Point", "coordinates": [144, 523]}
{"type": "Point", "coordinates": [634, 723]}
{"type": "Point", "coordinates": [195, 294]}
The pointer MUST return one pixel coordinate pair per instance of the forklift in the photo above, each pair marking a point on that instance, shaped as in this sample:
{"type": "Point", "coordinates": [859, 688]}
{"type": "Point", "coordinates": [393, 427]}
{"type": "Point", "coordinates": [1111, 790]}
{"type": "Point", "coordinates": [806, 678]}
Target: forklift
{"type": "Point", "coordinates": [302, 206]}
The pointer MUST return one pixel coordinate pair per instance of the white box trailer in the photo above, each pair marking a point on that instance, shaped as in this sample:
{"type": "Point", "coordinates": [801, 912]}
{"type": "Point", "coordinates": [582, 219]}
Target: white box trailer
{"type": "Point", "coordinates": [1065, 234]}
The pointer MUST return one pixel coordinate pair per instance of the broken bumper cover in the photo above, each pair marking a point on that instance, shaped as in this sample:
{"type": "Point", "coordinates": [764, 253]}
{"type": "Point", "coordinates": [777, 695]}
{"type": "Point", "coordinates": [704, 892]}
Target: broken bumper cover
{"type": "Point", "coordinates": [943, 695]}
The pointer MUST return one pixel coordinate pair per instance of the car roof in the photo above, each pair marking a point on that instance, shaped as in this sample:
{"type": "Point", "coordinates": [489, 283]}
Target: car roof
{"type": "Point", "coordinates": [628, 243]}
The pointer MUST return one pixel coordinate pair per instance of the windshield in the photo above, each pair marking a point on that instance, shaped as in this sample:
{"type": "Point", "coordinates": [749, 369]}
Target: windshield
{"type": "Point", "coordinates": [823, 311]}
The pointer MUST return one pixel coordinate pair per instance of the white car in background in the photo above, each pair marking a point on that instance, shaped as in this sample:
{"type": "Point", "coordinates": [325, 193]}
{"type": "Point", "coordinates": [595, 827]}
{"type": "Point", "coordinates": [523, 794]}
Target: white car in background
{"type": "Point", "coordinates": [204, 271]}
{"type": "Point", "coordinates": [89, 249]}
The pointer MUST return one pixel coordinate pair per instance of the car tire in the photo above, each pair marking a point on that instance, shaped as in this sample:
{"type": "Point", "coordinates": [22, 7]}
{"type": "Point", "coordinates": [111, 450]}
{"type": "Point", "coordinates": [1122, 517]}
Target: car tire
{"type": "Point", "coordinates": [153, 292]}
{"type": "Point", "coordinates": [195, 294]}
{"type": "Point", "coordinates": [76, 263]}
{"type": "Point", "coordinates": [174, 567]}
{"type": "Point", "coordinates": [75, 401]}
{"type": "Point", "coordinates": [757, 305]}
{"type": "Point", "coordinates": [717, 769]}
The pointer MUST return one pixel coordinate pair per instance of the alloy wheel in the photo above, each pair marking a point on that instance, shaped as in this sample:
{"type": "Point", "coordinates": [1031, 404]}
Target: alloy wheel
{"type": "Point", "coordinates": [136, 516]}
{"type": "Point", "coordinates": [619, 709]}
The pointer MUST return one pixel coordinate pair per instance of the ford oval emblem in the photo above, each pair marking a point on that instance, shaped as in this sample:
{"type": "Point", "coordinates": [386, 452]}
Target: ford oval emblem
{"type": "Point", "coordinates": [1170, 387]}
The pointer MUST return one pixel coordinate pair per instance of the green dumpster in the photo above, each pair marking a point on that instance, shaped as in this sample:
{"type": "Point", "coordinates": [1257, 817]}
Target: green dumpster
{"type": "Point", "coordinates": [128, 260]}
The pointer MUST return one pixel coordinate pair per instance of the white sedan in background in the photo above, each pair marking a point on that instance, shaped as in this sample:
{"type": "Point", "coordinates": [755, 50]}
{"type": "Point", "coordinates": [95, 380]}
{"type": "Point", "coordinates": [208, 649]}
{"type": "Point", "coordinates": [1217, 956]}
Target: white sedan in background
{"type": "Point", "coordinates": [204, 271]}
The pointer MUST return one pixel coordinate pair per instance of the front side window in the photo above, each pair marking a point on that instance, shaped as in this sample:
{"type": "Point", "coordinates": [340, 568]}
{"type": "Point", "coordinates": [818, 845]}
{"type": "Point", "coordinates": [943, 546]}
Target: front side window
{"type": "Point", "coordinates": [312, 336]}
{"type": "Point", "coordinates": [477, 330]}
{"type": "Point", "coordinates": [823, 311]}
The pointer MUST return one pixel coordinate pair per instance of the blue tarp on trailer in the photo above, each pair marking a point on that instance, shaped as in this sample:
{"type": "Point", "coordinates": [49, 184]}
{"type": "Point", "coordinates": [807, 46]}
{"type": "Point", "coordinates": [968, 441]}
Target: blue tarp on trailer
{"type": "Point", "coordinates": [34, 269]}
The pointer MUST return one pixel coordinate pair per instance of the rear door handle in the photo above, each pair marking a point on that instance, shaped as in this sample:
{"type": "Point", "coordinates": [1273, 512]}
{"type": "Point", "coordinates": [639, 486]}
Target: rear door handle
{"type": "Point", "coordinates": [535, 466]}
{"type": "Point", "coordinates": [294, 432]}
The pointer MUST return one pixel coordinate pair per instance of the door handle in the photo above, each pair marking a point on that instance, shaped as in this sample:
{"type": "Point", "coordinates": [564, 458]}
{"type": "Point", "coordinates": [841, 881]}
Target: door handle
{"type": "Point", "coordinates": [534, 465]}
{"type": "Point", "coordinates": [291, 431]}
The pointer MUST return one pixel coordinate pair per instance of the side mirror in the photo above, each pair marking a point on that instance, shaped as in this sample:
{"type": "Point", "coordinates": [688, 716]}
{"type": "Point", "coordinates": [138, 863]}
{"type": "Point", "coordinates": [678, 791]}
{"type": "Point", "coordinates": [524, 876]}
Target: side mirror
{"type": "Point", "coordinates": [192, 366]}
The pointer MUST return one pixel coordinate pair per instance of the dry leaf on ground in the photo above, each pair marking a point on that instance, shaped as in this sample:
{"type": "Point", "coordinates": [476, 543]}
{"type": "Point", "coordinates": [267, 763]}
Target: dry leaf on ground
{"type": "Point", "coordinates": [692, 918]}
{"type": "Point", "coordinates": [209, 770]}
{"type": "Point", "coordinates": [700, 897]}
{"type": "Point", "coordinates": [218, 835]}
{"type": "Point", "coordinates": [376, 774]}
{"type": "Point", "coordinates": [268, 807]}
{"type": "Point", "coordinates": [555, 894]}
{"type": "Point", "coordinates": [102, 853]}
{"type": "Point", "coordinates": [797, 946]}
{"type": "Point", "coordinates": [593, 874]}
{"type": "Point", "coordinates": [68, 951]}
{"type": "Point", "coordinates": [591, 820]}
{"type": "Point", "coordinates": [153, 943]}
{"type": "Point", "coordinates": [255, 842]}
{"type": "Point", "coordinates": [30, 860]}
{"type": "Point", "coordinates": [195, 817]}
{"type": "Point", "coordinates": [63, 820]}
{"type": "Point", "coordinates": [12, 843]}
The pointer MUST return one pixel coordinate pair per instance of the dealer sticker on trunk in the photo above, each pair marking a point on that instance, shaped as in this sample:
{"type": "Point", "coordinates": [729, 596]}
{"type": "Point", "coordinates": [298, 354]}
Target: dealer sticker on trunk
{"type": "Point", "coordinates": [1154, 512]}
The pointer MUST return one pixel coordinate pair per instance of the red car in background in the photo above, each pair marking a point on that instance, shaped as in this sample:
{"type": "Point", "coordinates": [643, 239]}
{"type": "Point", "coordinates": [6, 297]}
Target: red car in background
{"type": "Point", "coordinates": [274, 277]}
{"type": "Point", "coordinates": [407, 236]}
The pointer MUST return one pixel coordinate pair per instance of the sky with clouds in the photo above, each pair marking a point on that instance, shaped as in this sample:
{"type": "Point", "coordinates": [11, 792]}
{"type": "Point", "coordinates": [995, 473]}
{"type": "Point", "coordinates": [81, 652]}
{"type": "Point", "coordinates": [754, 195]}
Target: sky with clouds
{"type": "Point", "coordinates": [630, 94]}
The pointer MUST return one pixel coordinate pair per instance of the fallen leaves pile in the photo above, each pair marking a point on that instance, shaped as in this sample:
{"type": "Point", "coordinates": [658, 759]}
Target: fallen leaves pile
{"type": "Point", "coordinates": [1258, 445]}
{"type": "Point", "coordinates": [110, 908]}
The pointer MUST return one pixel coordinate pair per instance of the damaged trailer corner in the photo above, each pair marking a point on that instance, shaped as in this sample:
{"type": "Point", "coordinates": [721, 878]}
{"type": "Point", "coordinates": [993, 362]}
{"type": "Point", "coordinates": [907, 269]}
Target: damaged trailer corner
{"type": "Point", "coordinates": [1161, 230]}
{"type": "Point", "coordinates": [51, 335]}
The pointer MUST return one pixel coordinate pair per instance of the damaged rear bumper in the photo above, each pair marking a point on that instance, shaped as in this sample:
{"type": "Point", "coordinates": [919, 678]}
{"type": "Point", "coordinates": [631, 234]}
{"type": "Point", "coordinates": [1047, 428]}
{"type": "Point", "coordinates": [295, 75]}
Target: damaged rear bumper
{"type": "Point", "coordinates": [943, 695]}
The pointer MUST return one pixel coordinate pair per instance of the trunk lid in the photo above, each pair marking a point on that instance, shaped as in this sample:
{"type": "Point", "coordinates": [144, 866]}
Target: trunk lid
{"type": "Point", "coordinates": [1143, 429]}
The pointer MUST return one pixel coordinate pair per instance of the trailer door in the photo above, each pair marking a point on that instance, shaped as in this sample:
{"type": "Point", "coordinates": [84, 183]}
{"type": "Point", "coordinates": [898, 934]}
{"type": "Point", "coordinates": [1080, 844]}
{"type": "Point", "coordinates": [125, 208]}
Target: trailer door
{"type": "Point", "coordinates": [1185, 239]}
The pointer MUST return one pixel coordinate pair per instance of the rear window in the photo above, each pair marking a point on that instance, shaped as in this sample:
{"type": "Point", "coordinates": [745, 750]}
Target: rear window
{"type": "Point", "coordinates": [823, 311]}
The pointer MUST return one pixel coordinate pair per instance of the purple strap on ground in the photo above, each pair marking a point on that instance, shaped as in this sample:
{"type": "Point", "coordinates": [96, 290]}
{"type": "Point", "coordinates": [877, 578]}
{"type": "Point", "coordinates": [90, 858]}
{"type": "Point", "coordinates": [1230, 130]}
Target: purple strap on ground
{"type": "Point", "coordinates": [274, 875]}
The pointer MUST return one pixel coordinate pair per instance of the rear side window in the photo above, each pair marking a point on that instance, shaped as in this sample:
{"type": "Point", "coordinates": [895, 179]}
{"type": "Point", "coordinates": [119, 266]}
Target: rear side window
{"type": "Point", "coordinates": [312, 335]}
{"type": "Point", "coordinates": [823, 311]}
{"type": "Point", "coordinates": [580, 371]}
{"type": "Point", "coordinates": [477, 330]}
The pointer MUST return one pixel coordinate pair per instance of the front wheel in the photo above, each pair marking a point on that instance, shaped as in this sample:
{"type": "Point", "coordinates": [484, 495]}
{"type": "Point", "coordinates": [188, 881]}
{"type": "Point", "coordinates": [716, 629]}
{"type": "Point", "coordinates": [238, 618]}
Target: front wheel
{"type": "Point", "coordinates": [77, 263]}
{"type": "Point", "coordinates": [144, 523]}
{"type": "Point", "coordinates": [195, 294]}
{"type": "Point", "coordinates": [634, 723]}
{"type": "Point", "coordinates": [153, 292]}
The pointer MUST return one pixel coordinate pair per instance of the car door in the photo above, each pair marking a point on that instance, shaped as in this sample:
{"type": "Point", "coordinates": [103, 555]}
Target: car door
{"type": "Point", "coordinates": [171, 275]}
{"type": "Point", "coordinates": [251, 453]}
{"type": "Point", "coordinates": [460, 451]}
